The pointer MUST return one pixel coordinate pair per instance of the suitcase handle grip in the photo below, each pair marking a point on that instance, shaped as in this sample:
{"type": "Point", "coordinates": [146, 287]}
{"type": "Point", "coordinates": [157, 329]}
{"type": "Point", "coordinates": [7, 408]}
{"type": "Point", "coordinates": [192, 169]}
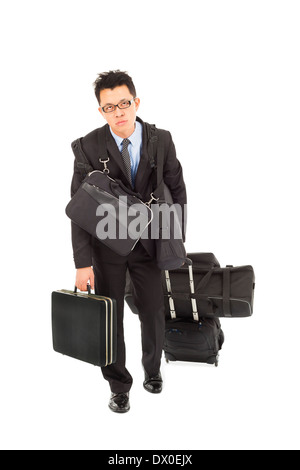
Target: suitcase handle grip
{"type": "Point", "coordinates": [88, 289]}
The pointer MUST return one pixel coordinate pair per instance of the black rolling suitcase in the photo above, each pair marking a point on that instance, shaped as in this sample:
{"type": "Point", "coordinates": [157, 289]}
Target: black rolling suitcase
{"type": "Point", "coordinates": [84, 327]}
{"type": "Point", "coordinates": [195, 339]}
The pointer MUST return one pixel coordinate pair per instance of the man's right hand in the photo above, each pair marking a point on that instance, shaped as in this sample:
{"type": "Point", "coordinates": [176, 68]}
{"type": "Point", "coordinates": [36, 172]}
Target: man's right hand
{"type": "Point", "coordinates": [83, 276]}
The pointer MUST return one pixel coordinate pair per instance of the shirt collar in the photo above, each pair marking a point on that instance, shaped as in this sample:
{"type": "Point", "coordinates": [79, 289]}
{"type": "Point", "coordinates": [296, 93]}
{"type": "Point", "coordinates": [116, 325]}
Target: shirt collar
{"type": "Point", "coordinates": [135, 138]}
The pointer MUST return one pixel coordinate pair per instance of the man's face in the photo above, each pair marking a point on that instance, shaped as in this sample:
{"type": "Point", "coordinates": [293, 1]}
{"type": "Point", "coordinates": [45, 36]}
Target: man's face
{"type": "Point", "coordinates": [121, 121]}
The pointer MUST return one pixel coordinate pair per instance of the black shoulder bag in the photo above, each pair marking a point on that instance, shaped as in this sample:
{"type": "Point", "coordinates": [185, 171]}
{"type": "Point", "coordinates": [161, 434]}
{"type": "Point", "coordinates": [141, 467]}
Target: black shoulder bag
{"type": "Point", "coordinates": [105, 207]}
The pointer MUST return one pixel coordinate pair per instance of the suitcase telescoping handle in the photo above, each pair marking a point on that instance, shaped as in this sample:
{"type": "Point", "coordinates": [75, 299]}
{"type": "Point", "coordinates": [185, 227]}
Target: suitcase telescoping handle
{"type": "Point", "coordinates": [189, 263]}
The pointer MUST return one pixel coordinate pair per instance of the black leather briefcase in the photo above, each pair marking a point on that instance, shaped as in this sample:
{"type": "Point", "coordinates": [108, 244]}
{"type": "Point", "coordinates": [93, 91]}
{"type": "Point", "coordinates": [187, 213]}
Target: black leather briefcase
{"type": "Point", "coordinates": [84, 327]}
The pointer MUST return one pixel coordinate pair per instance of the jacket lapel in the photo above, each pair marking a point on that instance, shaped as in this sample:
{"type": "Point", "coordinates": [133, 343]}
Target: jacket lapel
{"type": "Point", "coordinates": [113, 151]}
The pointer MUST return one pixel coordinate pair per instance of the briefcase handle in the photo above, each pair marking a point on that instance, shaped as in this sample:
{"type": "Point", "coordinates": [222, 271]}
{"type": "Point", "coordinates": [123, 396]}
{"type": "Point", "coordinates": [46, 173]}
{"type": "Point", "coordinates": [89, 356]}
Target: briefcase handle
{"type": "Point", "coordinates": [88, 289]}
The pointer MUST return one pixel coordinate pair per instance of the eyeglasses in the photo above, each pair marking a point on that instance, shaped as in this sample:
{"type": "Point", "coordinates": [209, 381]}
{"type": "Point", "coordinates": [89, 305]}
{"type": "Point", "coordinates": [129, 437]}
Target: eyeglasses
{"type": "Point", "coordinates": [110, 108]}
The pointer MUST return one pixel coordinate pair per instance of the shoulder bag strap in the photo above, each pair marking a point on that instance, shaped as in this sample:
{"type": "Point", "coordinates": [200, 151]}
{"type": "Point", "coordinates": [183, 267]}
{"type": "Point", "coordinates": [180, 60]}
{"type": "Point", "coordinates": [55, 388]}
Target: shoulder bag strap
{"type": "Point", "coordinates": [103, 154]}
{"type": "Point", "coordinates": [81, 160]}
{"type": "Point", "coordinates": [156, 149]}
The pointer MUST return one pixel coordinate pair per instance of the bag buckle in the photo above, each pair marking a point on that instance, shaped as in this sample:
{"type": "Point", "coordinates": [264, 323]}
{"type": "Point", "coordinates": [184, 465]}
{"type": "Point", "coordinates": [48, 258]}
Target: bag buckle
{"type": "Point", "coordinates": [106, 169]}
{"type": "Point", "coordinates": [153, 198]}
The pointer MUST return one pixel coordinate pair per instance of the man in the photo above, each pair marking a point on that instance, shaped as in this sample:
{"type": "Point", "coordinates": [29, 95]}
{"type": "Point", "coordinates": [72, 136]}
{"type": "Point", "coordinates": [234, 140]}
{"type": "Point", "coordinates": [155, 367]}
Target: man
{"type": "Point", "coordinates": [100, 266]}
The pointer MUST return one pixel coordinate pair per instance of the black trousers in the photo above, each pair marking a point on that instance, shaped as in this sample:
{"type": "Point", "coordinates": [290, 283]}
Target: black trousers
{"type": "Point", "coordinates": [110, 280]}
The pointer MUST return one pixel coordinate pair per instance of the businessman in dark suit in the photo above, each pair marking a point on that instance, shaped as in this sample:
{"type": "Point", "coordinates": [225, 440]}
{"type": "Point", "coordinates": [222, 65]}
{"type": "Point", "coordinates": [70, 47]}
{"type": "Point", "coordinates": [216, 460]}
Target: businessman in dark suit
{"type": "Point", "coordinates": [101, 267]}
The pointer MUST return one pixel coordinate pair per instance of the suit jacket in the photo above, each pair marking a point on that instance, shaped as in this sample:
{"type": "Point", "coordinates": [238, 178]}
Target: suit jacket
{"type": "Point", "coordinates": [84, 245]}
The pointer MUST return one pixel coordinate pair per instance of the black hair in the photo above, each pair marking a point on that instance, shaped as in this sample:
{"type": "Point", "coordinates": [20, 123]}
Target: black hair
{"type": "Point", "coordinates": [111, 80]}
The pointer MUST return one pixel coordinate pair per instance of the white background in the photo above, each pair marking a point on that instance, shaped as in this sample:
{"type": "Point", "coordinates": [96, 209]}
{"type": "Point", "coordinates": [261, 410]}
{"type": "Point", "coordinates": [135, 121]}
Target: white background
{"type": "Point", "coordinates": [223, 77]}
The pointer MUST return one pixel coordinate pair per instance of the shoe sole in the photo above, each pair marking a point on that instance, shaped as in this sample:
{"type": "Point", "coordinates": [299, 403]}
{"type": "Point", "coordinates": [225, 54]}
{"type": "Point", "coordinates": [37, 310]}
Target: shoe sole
{"type": "Point", "coordinates": [119, 411]}
{"type": "Point", "coordinates": [153, 392]}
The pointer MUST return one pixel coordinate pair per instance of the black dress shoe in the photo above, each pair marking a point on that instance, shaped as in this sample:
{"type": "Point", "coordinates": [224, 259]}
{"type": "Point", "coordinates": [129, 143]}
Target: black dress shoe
{"type": "Point", "coordinates": [153, 384]}
{"type": "Point", "coordinates": [119, 402]}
